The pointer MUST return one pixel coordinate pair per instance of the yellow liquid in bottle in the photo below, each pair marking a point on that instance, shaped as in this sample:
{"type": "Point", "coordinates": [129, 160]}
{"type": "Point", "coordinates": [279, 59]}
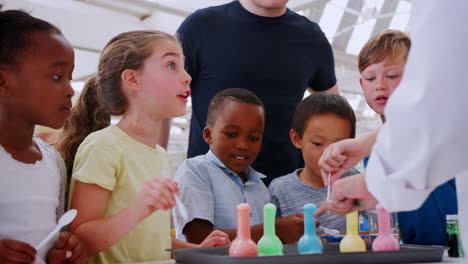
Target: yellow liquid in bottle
{"type": "Point", "coordinates": [352, 242]}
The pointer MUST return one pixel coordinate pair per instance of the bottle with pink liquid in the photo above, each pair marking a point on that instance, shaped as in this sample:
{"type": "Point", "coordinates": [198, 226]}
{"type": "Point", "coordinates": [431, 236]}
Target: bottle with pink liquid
{"type": "Point", "coordinates": [385, 241]}
{"type": "Point", "coordinates": [243, 245]}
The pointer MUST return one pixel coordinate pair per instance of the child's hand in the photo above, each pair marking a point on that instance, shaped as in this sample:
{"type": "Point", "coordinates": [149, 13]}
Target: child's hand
{"type": "Point", "coordinates": [216, 238]}
{"type": "Point", "coordinates": [290, 228]}
{"type": "Point", "coordinates": [338, 158]}
{"type": "Point", "coordinates": [157, 193]}
{"type": "Point", "coordinates": [14, 251]}
{"type": "Point", "coordinates": [68, 249]}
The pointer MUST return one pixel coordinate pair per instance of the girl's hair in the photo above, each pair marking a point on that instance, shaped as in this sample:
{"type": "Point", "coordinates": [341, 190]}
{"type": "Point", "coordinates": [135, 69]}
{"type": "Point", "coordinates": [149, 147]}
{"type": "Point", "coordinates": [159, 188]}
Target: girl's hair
{"type": "Point", "coordinates": [322, 103]}
{"type": "Point", "coordinates": [16, 27]}
{"type": "Point", "coordinates": [86, 117]}
{"type": "Point", "coordinates": [392, 44]}
{"type": "Point", "coordinates": [102, 95]}
{"type": "Point", "coordinates": [233, 94]}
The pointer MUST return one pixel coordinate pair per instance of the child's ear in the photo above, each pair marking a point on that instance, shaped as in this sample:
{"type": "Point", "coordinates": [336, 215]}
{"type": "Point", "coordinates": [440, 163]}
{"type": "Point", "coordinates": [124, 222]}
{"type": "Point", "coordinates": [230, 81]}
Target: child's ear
{"type": "Point", "coordinates": [207, 135]}
{"type": "Point", "coordinates": [4, 89]}
{"type": "Point", "coordinates": [131, 80]}
{"type": "Point", "coordinates": [295, 139]}
{"type": "Point", "coordinates": [360, 81]}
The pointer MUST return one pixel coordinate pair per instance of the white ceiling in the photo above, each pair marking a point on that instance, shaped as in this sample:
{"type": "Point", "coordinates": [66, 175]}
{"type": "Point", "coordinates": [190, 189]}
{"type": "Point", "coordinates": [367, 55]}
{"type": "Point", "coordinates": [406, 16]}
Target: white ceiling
{"type": "Point", "coordinates": [89, 24]}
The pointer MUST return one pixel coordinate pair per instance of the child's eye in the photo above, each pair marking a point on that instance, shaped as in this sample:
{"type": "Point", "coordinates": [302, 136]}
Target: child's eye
{"type": "Point", "coordinates": [57, 77]}
{"type": "Point", "coordinates": [392, 76]}
{"type": "Point", "coordinates": [230, 134]}
{"type": "Point", "coordinates": [370, 79]}
{"type": "Point", "coordinates": [317, 144]}
{"type": "Point", "coordinates": [171, 66]}
{"type": "Point", "coordinates": [254, 139]}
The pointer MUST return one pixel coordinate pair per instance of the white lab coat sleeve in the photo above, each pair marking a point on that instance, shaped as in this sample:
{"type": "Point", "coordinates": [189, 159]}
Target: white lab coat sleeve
{"type": "Point", "coordinates": [424, 141]}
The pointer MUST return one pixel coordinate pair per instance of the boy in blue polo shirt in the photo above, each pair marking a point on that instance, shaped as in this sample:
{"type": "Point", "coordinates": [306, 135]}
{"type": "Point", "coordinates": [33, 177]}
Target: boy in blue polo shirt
{"type": "Point", "coordinates": [212, 185]}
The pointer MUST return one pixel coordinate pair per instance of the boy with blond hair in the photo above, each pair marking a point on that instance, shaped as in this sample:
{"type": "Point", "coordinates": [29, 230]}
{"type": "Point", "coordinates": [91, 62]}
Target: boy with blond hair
{"type": "Point", "coordinates": [381, 63]}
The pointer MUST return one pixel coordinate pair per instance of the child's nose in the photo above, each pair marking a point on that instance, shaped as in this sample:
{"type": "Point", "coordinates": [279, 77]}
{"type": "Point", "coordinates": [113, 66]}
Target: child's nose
{"type": "Point", "coordinates": [187, 77]}
{"type": "Point", "coordinates": [381, 84]}
{"type": "Point", "coordinates": [69, 92]}
{"type": "Point", "coordinates": [242, 144]}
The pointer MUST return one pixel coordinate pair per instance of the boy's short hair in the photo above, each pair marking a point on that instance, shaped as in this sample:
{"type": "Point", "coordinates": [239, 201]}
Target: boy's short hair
{"type": "Point", "coordinates": [322, 103]}
{"type": "Point", "coordinates": [232, 94]}
{"type": "Point", "coordinates": [392, 44]}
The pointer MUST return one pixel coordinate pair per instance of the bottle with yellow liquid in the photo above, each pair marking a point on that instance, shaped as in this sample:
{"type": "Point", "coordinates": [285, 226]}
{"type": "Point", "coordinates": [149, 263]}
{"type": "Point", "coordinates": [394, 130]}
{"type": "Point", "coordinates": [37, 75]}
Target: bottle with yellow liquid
{"type": "Point", "coordinates": [352, 242]}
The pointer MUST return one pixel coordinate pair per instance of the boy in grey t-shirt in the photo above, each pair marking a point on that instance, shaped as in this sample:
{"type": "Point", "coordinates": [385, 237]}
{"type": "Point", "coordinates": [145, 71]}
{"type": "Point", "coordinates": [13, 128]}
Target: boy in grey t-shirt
{"type": "Point", "coordinates": [319, 120]}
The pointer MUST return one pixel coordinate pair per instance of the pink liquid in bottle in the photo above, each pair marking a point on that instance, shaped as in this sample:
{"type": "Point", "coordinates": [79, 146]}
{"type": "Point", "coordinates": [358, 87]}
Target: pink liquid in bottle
{"type": "Point", "coordinates": [384, 241]}
{"type": "Point", "coordinates": [243, 245]}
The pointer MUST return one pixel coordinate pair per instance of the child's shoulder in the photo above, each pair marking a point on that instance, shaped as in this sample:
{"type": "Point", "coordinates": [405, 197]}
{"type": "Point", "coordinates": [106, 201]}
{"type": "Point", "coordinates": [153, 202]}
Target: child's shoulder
{"type": "Point", "coordinates": [285, 180]}
{"type": "Point", "coordinates": [195, 164]}
{"type": "Point", "coordinates": [106, 142]}
{"type": "Point", "coordinates": [51, 157]}
{"type": "Point", "coordinates": [48, 151]}
{"type": "Point", "coordinates": [108, 136]}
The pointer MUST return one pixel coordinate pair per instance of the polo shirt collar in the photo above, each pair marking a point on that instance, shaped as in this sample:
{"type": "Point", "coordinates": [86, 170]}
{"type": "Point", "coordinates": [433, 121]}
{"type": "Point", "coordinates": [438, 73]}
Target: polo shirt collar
{"type": "Point", "coordinates": [252, 175]}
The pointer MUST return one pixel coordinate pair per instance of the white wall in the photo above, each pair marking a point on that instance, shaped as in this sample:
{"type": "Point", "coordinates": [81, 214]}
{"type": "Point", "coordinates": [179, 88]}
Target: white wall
{"type": "Point", "coordinates": [89, 27]}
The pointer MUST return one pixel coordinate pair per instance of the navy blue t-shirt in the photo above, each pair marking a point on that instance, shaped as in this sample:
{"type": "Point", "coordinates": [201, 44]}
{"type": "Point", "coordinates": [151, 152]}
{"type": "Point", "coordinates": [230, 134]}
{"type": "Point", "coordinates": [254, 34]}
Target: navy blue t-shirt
{"type": "Point", "coordinates": [426, 225]}
{"type": "Point", "coordinates": [276, 58]}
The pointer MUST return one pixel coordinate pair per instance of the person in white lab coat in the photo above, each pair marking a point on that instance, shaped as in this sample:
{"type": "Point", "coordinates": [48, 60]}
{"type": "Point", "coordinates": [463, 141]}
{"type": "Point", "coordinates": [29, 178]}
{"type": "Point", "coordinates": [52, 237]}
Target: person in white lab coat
{"type": "Point", "coordinates": [429, 145]}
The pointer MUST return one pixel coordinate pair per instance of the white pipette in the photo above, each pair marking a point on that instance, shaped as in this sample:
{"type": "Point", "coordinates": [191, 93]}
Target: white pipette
{"type": "Point", "coordinates": [330, 231]}
{"type": "Point", "coordinates": [179, 205]}
{"type": "Point", "coordinates": [66, 219]}
{"type": "Point", "coordinates": [328, 187]}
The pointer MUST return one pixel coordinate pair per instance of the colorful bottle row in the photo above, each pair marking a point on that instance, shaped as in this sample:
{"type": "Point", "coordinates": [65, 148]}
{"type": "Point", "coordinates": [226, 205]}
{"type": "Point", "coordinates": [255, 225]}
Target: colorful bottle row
{"type": "Point", "coordinates": [309, 243]}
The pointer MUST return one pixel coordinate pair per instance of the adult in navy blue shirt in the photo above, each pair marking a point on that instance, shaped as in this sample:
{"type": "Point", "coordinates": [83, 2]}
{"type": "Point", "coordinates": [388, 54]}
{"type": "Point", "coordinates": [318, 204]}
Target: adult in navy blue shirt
{"type": "Point", "coordinates": [266, 48]}
{"type": "Point", "coordinates": [426, 225]}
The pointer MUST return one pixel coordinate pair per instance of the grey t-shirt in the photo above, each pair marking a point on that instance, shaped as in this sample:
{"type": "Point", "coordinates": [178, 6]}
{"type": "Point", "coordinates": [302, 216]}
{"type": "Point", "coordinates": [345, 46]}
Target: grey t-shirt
{"type": "Point", "coordinates": [289, 194]}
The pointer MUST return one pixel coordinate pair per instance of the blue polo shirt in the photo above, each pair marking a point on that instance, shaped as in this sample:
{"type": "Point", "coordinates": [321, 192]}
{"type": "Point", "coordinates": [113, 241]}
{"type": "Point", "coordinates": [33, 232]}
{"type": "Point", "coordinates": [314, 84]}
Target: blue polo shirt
{"type": "Point", "coordinates": [426, 225]}
{"type": "Point", "coordinates": [210, 191]}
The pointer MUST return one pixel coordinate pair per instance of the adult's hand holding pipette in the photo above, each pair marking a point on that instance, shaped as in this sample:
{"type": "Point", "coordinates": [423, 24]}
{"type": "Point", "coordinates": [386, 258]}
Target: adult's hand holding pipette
{"type": "Point", "coordinates": [347, 195]}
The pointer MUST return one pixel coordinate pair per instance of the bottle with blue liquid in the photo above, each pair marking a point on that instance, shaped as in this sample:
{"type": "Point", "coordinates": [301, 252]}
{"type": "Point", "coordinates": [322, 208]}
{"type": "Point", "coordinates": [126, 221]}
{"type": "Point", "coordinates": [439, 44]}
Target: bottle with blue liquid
{"type": "Point", "coordinates": [309, 243]}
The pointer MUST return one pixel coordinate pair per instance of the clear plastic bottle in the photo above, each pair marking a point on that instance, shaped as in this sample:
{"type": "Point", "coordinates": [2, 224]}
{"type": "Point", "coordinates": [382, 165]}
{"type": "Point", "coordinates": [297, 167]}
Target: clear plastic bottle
{"type": "Point", "coordinates": [452, 235]}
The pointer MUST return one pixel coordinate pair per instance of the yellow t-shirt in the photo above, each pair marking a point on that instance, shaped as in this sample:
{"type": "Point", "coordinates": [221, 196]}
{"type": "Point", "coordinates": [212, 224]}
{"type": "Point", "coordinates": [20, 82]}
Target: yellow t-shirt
{"type": "Point", "coordinates": [118, 163]}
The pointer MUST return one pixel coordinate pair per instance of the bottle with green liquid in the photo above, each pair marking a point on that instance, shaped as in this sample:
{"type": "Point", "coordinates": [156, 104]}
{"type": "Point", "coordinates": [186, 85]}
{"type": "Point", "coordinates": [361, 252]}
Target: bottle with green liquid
{"type": "Point", "coordinates": [453, 238]}
{"type": "Point", "coordinates": [269, 244]}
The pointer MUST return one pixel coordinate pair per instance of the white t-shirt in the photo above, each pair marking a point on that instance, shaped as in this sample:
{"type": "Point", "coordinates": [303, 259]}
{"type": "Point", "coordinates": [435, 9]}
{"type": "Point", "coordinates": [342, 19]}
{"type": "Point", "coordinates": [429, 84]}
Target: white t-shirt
{"type": "Point", "coordinates": [31, 197]}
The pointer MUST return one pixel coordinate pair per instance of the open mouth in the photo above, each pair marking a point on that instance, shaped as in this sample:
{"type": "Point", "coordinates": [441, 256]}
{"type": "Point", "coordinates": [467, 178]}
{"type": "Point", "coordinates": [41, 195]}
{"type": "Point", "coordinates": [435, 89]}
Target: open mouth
{"type": "Point", "coordinates": [381, 99]}
{"type": "Point", "coordinates": [185, 95]}
{"type": "Point", "coordinates": [240, 157]}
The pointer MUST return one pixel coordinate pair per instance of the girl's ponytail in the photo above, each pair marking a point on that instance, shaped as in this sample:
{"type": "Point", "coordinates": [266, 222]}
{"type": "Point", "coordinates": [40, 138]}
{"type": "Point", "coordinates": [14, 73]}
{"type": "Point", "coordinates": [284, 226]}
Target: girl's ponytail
{"type": "Point", "coordinates": [87, 117]}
